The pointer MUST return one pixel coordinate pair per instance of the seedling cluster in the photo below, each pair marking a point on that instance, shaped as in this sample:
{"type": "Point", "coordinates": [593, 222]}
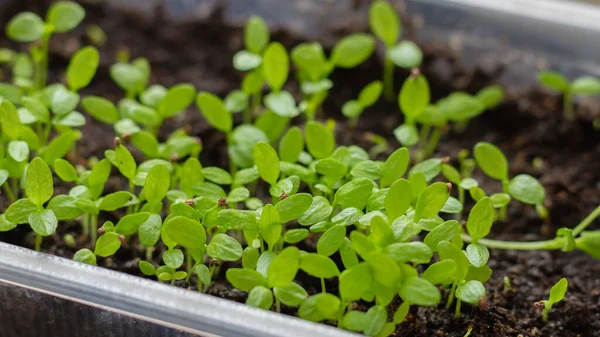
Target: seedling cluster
{"type": "Point", "coordinates": [387, 229]}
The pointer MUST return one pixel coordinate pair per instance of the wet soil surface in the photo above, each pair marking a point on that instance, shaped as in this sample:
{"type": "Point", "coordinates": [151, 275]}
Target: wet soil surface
{"type": "Point", "coordinates": [528, 127]}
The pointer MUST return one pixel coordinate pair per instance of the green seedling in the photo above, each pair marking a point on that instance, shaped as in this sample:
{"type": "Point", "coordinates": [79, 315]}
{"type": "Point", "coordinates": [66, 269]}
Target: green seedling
{"type": "Point", "coordinates": [584, 86]}
{"type": "Point", "coordinates": [62, 16]}
{"type": "Point", "coordinates": [522, 187]}
{"type": "Point", "coordinates": [367, 97]}
{"type": "Point", "coordinates": [386, 26]}
{"type": "Point", "coordinates": [557, 294]}
{"type": "Point", "coordinates": [314, 67]}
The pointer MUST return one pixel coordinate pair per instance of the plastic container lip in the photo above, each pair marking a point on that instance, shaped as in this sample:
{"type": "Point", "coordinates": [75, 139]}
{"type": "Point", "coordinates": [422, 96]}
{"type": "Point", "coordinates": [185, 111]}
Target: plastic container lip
{"type": "Point", "coordinates": [575, 14]}
{"type": "Point", "coordinates": [148, 300]}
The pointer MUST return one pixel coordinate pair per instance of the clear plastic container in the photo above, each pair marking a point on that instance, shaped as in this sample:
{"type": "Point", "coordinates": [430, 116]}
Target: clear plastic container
{"type": "Point", "coordinates": [42, 295]}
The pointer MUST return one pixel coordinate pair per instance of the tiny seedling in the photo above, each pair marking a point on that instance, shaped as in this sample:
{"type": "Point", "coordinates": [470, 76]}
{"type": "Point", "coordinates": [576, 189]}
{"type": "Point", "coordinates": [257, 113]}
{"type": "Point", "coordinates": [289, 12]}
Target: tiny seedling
{"type": "Point", "coordinates": [557, 294]}
{"type": "Point", "coordinates": [584, 86]}
{"type": "Point", "coordinates": [386, 26]}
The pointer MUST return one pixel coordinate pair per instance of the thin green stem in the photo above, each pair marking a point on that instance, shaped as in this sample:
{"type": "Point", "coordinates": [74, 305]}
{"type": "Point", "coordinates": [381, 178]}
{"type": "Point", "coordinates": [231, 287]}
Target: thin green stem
{"type": "Point", "coordinates": [38, 242]}
{"type": "Point", "coordinates": [503, 210]}
{"type": "Point", "coordinates": [188, 265]}
{"type": "Point", "coordinates": [256, 101]}
{"type": "Point", "coordinates": [85, 225]}
{"type": "Point", "coordinates": [461, 199]}
{"type": "Point", "coordinates": [457, 310]}
{"type": "Point", "coordinates": [433, 141]}
{"type": "Point", "coordinates": [232, 167]}
{"type": "Point", "coordinates": [587, 221]}
{"type": "Point", "coordinates": [9, 193]}
{"type": "Point", "coordinates": [149, 251]}
{"type": "Point", "coordinates": [388, 80]}
{"type": "Point", "coordinates": [323, 288]}
{"type": "Point", "coordinates": [568, 106]}
{"type": "Point", "coordinates": [247, 115]}
{"type": "Point", "coordinates": [277, 304]}
{"type": "Point", "coordinates": [94, 229]}
{"type": "Point", "coordinates": [451, 296]}
{"type": "Point", "coordinates": [42, 65]}
{"type": "Point", "coordinates": [545, 313]}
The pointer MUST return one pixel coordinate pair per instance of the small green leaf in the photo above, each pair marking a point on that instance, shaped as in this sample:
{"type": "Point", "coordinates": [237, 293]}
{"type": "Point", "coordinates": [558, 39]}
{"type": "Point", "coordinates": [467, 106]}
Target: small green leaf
{"type": "Point", "coordinates": [291, 295]}
{"type": "Point", "coordinates": [18, 150]}
{"type": "Point", "coordinates": [394, 167]}
{"type": "Point", "coordinates": [177, 99]}
{"type": "Point", "coordinates": [129, 77]}
{"type": "Point", "coordinates": [236, 101]}
{"type": "Point", "coordinates": [6, 225]}
{"type": "Point", "coordinates": [173, 258]}
{"type": "Point", "coordinates": [65, 15]}
{"type": "Point", "coordinates": [414, 96]}
{"type": "Point", "coordinates": [82, 67]}
{"type": "Point", "coordinates": [443, 232]}
{"type": "Point", "coordinates": [318, 265]}
{"type": "Point", "coordinates": [85, 256]}
{"type": "Point", "coordinates": [25, 27]}
{"type": "Point", "coordinates": [491, 160]}
{"type": "Point", "coordinates": [586, 85]}
{"type": "Point", "coordinates": [293, 206]}
{"type": "Point", "coordinates": [319, 307]}
{"type": "Point", "coordinates": [256, 34]}
{"type": "Point", "coordinates": [449, 251]}
{"type": "Point", "coordinates": [282, 270]}
{"type": "Point", "coordinates": [64, 101]}
{"type": "Point", "coordinates": [186, 232]}
{"type": "Point", "coordinates": [65, 170]}
{"type": "Point", "coordinates": [203, 274]}
{"type": "Point", "coordinates": [107, 244]}
{"type": "Point", "coordinates": [260, 297]}
{"type": "Point", "coordinates": [481, 218]}
{"type": "Point", "coordinates": [116, 200]}
{"type": "Point", "coordinates": [406, 54]}
{"type": "Point", "coordinates": [157, 183]}
{"type": "Point", "coordinates": [431, 168]}
{"type": "Point", "coordinates": [282, 103]}
{"type": "Point", "coordinates": [420, 292]}
{"type": "Point", "coordinates": [275, 65]}
{"type": "Point", "coordinates": [558, 291]}
{"type": "Point", "coordinates": [377, 317]}
{"type": "Point", "coordinates": [320, 141]}
{"type": "Point", "coordinates": [352, 50]}
{"type": "Point", "coordinates": [213, 109]}
{"type": "Point", "coordinates": [319, 210]}
{"type": "Point", "coordinates": [101, 109]}
{"type": "Point", "coordinates": [370, 94]}
{"type": "Point", "coordinates": [125, 162]}
{"type": "Point", "coordinates": [526, 189]}
{"type": "Point", "coordinates": [398, 199]}
{"type": "Point", "coordinates": [407, 134]}
{"type": "Point", "coordinates": [295, 235]}
{"type": "Point", "coordinates": [129, 224]}
{"type": "Point", "coordinates": [43, 222]}
{"type": "Point", "coordinates": [310, 57]}
{"type": "Point", "coordinates": [413, 252]}
{"type": "Point", "coordinates": [354, 193]}
{"type": "Point", "coordinates": [291, 145]}
{"type": "Point", "coordinates": [478, 254]}
{"type": "Point", "coordinates": [18, 212]}
{"type": "Point", "coordinates": [367, 169]}
{"type": "Point", "coordinates": [331, 240]}
{"type": "Point", "coordinates": [355, 281]}
{"type": "Point", "coordinates": [149, 230]}
{"type": "Point", "coordinates": [37, 108]}
{"type": "Point", "coordinates": [491, 96]}
{"type": "Point", "coordinates": [38, 182]}
{"type": "Point", "coordinates": [147, 268]}
{"type": "Point", "coordinates": [470, 292]}
{"type": "Point", "coordinates": [384, 22]}
{"type": "Point", "coordinates": [244, 60]}
{"type": "Point", "coordinates": [355, 320]}
{"type": "Point", "coordinates": [384, 268]}
{"type": "Point", "coordinates": [64, 207]}
{"type": "Point", "coordinates": [500, 200]}
{"type": "Point", "coordinates": [431, 201]}
{"type": "Point", "coordinates": [553, 80]}
{"type": "Point", "coordinates": [225, 248]}
{"type": "Point", "coordinates": [267, 162]}
{"type": "Point", "coordinates": [245, 279]}
{"type": "Point", "coordinates": [440, 272]}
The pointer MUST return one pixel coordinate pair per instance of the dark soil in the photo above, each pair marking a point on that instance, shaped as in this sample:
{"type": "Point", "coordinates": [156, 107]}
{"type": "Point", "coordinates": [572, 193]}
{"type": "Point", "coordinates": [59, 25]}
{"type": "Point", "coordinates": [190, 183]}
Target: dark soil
{"type": "Point", "coordinates": [527, 126]}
